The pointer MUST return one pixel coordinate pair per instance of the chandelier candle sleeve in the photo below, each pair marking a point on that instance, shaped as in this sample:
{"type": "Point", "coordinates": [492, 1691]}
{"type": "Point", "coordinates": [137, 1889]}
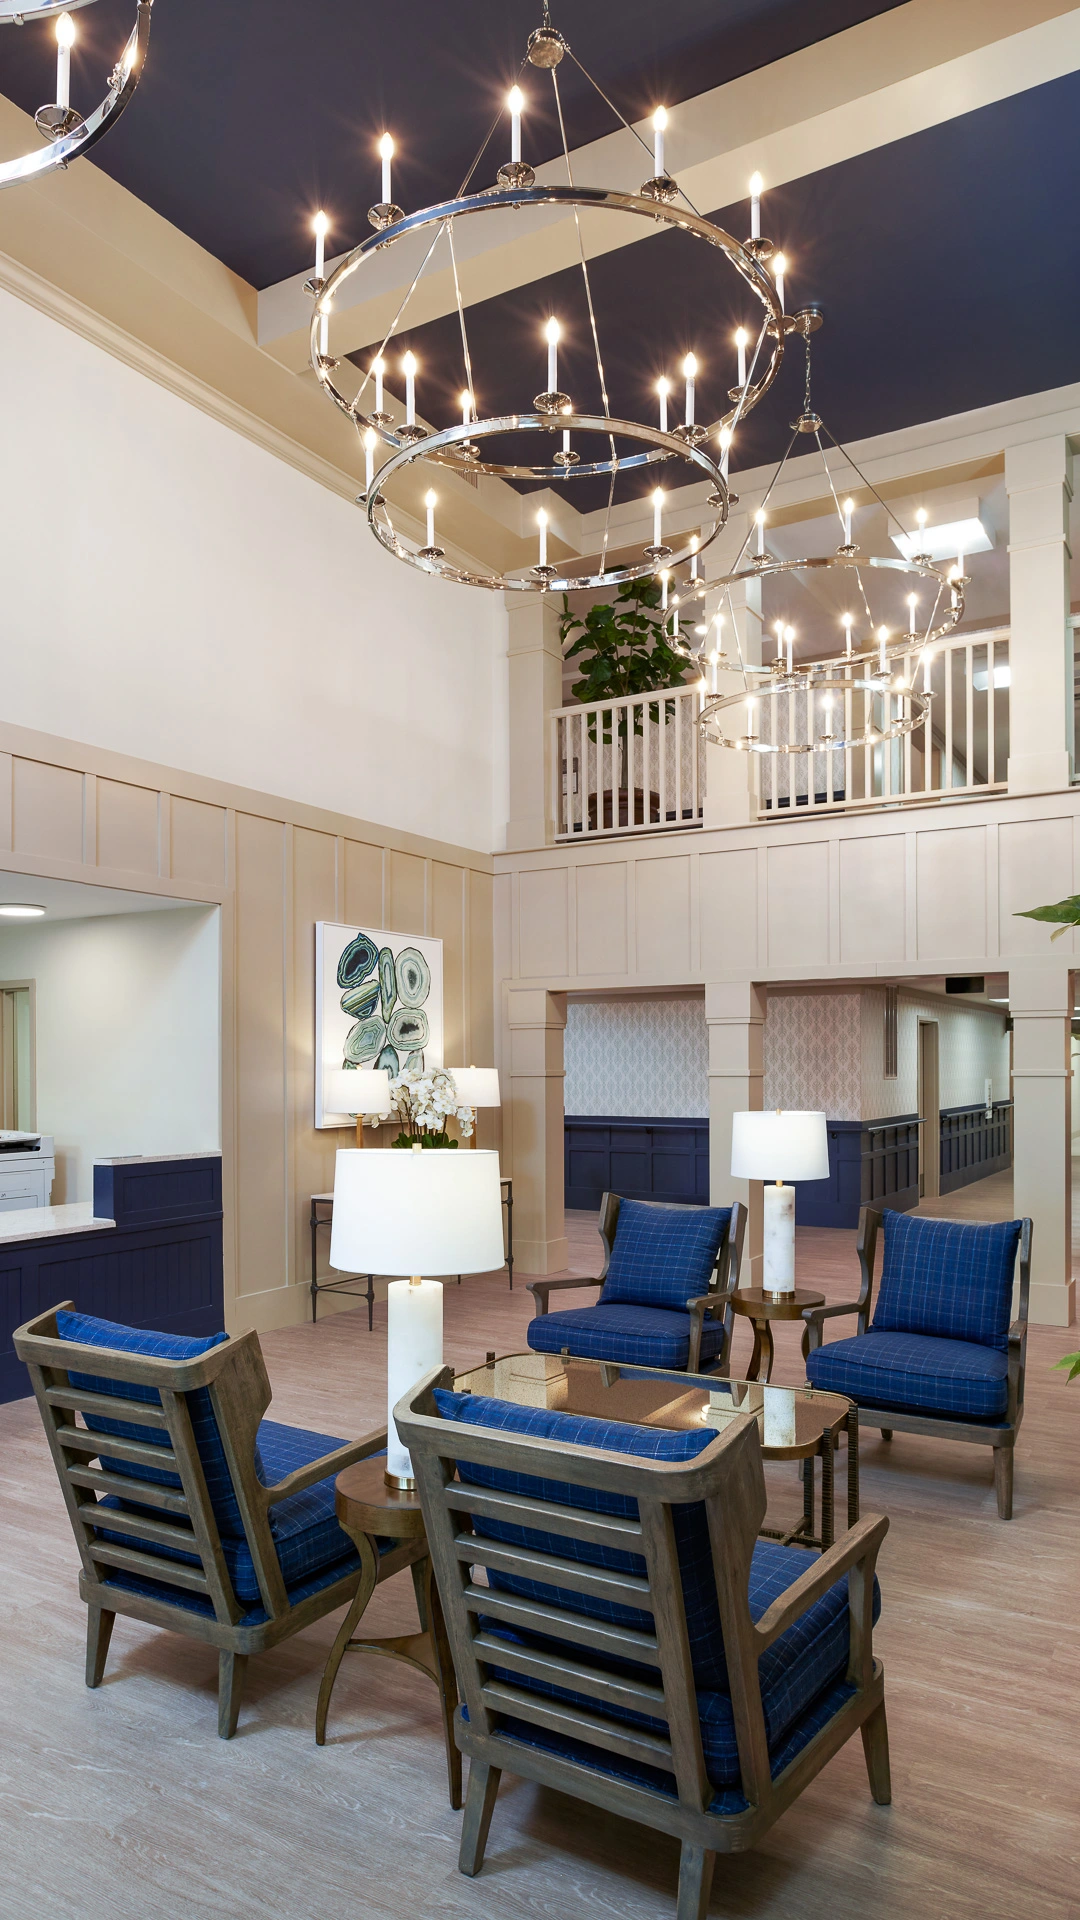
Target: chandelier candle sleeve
{"type": "Point", "coordinates": [542, 523]}
{"type": "Point", "coordinates": [321, 225]}
{"type": "Point", "coordinates": [659, 121]}
{"type": "Point", "coordinates": [741, 338]}
{"type": "Point", "coordinates": [409, 365]}
{"type": "Point", "coordinates": [515, 102]}
{"type": "Point", "coordinates": [694, 557]}
{"type": "Point", "coordinates": [759, 519]}
{"type": "Point", "coordinates": [690, 367]}
{"type": "Point", "coordinates": [466, 409]}
{"type": "Point", "coordinates": [789, 636]}
{"type": "Point", "coordinates": [65, 40]}
{"type": "Point", "coordinates": [779, 271]}
{"type": "Point", "coordinates": [849, 508]}
{"type": "Point", "coordinates": [429, 502]}
{"type": "Point", "coordinates": [552, 331]}
{"type": "Point", "coordinates": [657, 514]}
{"type": "Point", "coordinates": [386, 152]}
{"type": "Point", "coordinates": [912, 604]}
{"type": "Point", "coordinates": [883, 641]}
{"type": "Point", "coordinates": [778, 1146]}
{"type": "Point", "coordinates": [755, 206]}
{"type": "Point", "coordinates": [663, 388]}
{"type": "Point", "coordinates": [369, 459]}
{"type": "Point", "coordinates": [725, 450]}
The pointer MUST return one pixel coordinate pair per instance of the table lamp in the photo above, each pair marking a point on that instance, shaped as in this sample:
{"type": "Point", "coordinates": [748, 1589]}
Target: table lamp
{"type": "Point", "coordinates": [775, 1146]}
{"type": "Point", "coordinates": [358, 1091]}
{"type": "Point", "coordinates": [412, 1212]}
{"type": "Point", "coordinates": [477, 1087]}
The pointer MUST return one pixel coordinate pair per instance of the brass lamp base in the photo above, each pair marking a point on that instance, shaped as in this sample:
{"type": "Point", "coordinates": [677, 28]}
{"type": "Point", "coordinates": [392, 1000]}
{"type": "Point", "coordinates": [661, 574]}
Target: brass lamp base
{"type": "Point", "coordinates": [403, 1482]}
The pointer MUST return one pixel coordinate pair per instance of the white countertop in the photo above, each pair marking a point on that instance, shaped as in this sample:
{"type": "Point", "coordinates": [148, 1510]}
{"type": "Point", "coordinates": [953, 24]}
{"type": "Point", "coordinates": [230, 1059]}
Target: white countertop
{"type": "Point", "coordinates": [150, 1159]}
{"type": "Point", "coordinates": [38, 1223]}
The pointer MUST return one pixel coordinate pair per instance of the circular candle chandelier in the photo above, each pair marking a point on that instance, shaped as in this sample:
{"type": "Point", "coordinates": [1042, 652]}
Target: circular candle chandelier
{"type": "Point", "coordinates": [68, 133]}
{"type": "Point", "coordinates": [587, 441]}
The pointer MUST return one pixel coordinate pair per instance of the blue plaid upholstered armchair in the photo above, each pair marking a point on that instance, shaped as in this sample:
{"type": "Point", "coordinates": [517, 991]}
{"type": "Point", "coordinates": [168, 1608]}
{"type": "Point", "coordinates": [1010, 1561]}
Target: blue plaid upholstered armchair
{"type": "Point", "coordinates": [668, 1275]}
{"type": "Point", "coordinates": [637, 1645]}
{"type": "Point", "coordinates": [190, 1511]}
{"type": "Point", "coordinates": [940, 1356]}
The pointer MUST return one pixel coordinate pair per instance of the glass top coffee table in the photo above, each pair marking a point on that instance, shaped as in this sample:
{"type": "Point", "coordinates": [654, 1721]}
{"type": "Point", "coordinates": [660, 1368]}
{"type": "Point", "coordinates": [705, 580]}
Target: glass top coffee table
{"type": "Point", "coordinates": [796, 1423]}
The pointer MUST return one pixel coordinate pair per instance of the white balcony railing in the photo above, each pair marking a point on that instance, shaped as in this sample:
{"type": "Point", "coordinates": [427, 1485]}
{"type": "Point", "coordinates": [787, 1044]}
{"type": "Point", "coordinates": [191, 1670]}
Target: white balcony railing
{"type": "Point", "coordinates": [628, 766]}
{"type": "Point", "coordinates": [638, 765]}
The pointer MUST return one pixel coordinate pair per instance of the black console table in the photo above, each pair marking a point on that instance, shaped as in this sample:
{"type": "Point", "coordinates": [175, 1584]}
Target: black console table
{"type": "Point", "coordinates": [322, 1214]}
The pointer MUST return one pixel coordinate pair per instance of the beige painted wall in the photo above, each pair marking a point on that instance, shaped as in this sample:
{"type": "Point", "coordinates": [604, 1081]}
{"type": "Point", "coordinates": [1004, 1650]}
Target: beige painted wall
{"type": "Point", "coordinates": [274, 867]}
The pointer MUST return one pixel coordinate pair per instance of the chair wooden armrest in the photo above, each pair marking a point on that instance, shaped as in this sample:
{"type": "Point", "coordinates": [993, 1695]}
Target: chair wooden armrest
{"type": "Point", "coordinates": [814, 1316]}
{"type": "Point", "coordinates": [329, 1463]}
{"type": "Point", "coordinates": [541, 1288]}
{"type": "Point", "coordinates": [858, 1547]}
{"type": "Point", "coordinates": [718, 1302]}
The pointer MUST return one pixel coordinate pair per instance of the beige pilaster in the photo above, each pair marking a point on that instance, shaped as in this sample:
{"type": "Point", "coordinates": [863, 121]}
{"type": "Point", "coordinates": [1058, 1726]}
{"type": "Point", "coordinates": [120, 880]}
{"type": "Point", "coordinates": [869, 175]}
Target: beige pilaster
{"type": "Point", "coordinates": [731, 777]}
{"type": "Point", "coordinates": [1040, 1001]}
{"type": "Point", "coordinates": [735, 1017]}
{"type": "Point", "coordinates": [535, 1022]}
{"type": "Point", "coordinates": [535, 691]}
{"type": "Point", "coordinates": [1038, 479]}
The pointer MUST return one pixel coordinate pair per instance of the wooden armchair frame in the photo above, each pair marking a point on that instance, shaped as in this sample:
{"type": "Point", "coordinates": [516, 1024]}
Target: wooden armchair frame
{"type": "Point", "coordinates": [1001, 1437]}
{"type": "Point", "coordinates": [234, 1373]}
{"type": "Point", "coordinates": [722, 1281]}
{"type": "Point", "coordinates": [728, 1477]}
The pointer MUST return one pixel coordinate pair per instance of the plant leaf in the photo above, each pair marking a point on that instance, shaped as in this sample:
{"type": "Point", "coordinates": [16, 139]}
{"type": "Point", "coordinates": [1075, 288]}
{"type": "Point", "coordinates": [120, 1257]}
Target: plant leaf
{"type": "Point", "coordinates": [1072, 1361]}
{"type": "Point", "coordinates": [1064, 913]}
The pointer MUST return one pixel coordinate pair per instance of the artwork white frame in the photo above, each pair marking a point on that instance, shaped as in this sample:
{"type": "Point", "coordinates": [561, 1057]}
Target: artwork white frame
{"type": "Point", "coordinates": [334, 1025]}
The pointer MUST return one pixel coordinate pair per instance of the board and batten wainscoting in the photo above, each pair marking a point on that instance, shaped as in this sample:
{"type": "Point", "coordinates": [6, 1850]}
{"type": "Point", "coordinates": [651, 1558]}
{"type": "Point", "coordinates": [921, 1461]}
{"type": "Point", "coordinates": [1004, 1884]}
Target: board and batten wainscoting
{"type": "Point", "coordinates": [639, 1159]}
{"type": "Point", "coordinates": [273, 867]}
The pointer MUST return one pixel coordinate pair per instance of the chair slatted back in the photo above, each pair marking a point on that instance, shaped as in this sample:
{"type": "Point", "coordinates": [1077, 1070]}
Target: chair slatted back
{"type": "Point", "coordinates": [727, 1477]}
{"type": "Point", "coordinates": [182, 1518]}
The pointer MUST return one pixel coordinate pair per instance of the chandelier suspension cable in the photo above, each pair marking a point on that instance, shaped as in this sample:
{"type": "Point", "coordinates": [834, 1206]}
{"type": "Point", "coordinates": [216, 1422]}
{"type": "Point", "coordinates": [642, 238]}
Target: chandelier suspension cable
{"type": "Point", "coordinates": [642, 142]}
{"type": "Point", "coordinates": [466, 355]}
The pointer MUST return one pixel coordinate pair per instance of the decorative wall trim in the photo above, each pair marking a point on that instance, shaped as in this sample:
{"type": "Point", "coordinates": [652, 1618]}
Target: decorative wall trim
{"type": "Point", "coordinates": [973, 1145]}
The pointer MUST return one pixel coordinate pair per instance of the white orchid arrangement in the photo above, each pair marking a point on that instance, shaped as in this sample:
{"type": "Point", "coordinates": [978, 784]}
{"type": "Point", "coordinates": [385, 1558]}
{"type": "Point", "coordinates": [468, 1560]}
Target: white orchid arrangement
{"type": "Point", "coordinates": [423, 1100]}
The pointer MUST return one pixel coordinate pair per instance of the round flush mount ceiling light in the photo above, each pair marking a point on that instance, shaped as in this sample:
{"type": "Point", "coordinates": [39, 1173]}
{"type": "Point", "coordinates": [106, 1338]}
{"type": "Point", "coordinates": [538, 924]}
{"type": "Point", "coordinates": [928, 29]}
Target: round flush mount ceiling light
{"type": "Point", "coordinates": [21, 912]}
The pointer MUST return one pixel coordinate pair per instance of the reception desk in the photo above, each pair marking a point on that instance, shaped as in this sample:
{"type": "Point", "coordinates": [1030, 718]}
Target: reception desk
{"type": "Point", "coordinates": [145, 1251]}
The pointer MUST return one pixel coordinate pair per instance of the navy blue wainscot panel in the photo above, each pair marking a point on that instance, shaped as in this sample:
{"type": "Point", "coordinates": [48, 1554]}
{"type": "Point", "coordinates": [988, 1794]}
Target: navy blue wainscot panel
{"type": "Point", "coordinates": [641, 1159]}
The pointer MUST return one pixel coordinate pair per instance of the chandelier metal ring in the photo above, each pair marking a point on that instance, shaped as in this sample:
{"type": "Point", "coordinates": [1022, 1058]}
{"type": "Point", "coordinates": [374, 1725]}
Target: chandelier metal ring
{"type": "Point", "coordinates": [70, 134]}
{"type": "Point", "coordinates": [777, 324]}
{"type": "Point", "coordinates": [914, 706]}
{"type": "Point", "coordinates": [540, 579]}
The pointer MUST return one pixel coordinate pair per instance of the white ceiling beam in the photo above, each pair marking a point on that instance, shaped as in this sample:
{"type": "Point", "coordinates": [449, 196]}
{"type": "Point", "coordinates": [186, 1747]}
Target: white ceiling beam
{"type": "Point", "coordinates": [915, 67]}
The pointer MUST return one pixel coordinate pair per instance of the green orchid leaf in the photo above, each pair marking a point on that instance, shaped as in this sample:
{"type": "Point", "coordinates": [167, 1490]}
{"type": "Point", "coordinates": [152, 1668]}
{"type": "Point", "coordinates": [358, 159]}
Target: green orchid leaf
{"type": "Point", "coordinates": [1072, 1361]}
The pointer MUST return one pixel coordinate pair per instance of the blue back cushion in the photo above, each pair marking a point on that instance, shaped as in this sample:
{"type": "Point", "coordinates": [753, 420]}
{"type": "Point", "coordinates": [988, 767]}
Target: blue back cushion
{"type": "Point", "coordinates": [690, 1523]}
{"type": "Point", "coordinates": [86, 1331]}
{"type": "Point", "coordinates": [949, 1280]}
{"type": "Point", "coordinates": [663, 1256]}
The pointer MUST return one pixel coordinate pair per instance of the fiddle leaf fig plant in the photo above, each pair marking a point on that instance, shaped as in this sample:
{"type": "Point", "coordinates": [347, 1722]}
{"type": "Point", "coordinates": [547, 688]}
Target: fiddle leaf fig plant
{"type": "Point", "coordinates": [1062, 915]}
{"type": "Point", "coordinates": [622, 650]}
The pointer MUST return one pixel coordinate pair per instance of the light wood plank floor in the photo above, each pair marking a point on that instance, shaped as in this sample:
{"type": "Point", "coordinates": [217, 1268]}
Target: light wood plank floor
{"type": "Point", "coordinates": [123, 1804]}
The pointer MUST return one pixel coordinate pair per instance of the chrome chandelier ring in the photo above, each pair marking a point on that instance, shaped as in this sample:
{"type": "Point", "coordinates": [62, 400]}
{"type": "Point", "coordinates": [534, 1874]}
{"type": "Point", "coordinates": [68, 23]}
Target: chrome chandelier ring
{"type": "Point", "coordinates": [69, 134]}
{"type": "Point", "coordinates": [539, 579]}
{"type": "Point", "coordinates": [888, 713]}
{"type": "Point", "coordinates": [778, 325]}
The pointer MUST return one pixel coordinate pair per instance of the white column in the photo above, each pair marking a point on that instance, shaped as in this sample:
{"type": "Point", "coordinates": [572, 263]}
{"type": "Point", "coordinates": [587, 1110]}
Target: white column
{"type": "Point", "coordinates": [536, 1021]}
{"type": "Point", "coordinates": [535, 691]}
{"type": "Point", "coordinates": [730, 777]}
{"type": "Point", "coordinates": [1038, 479]}
{"type": "Point", "coordinates": [1040, 1002]}
{"type": "Point", "coordinates": [735, 1017]}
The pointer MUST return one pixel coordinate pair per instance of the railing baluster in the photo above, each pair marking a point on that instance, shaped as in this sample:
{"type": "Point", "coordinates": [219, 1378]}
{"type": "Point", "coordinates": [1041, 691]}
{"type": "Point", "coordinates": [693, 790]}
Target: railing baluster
{"type": "Point", "coordinates": [947, 766]}
{"type": "Point", "coordinates": [991, 743]}
{"type": "Point", "coordinates": [969, 711]}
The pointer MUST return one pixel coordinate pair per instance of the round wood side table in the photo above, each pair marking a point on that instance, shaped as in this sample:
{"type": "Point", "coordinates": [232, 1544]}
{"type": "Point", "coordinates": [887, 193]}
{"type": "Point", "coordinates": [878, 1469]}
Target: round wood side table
{"type": "Point", "coordinates": [760, 1307]}
{"type": "Point", "coordinates": [369, 1511]}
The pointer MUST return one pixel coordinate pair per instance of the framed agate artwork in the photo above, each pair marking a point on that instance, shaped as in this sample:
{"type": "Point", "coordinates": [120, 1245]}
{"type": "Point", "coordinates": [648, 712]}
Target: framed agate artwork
{"type": "Point", "coordinates": [378, 1003]}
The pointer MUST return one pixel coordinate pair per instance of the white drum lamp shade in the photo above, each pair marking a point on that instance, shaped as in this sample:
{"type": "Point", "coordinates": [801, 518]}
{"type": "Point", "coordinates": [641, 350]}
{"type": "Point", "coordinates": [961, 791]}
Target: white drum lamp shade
{"type": "Point", "coordinates": [477, 1086]}
{"type": "Point", "coordinates": [362, 1091]}
{"type": "Point", "coordinates": [415, 1211]}
{"type": "Point", "coordinates": [778, 1145]}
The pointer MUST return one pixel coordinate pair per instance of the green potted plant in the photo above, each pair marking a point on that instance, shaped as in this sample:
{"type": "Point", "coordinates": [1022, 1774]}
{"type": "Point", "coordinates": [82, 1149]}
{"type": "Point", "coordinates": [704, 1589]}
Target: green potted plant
{"type": "Point", "coordinates": [621, 649]}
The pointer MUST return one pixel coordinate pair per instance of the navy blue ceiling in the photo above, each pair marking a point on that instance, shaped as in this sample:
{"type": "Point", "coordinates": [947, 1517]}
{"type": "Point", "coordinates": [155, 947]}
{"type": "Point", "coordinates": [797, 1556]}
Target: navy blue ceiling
{"type": "Point", "coordinates": [254, 113]}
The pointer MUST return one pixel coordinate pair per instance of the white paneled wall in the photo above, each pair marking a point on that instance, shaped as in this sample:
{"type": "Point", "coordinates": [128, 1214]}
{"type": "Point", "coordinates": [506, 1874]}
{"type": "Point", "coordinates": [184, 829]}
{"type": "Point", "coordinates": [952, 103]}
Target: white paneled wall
{"type": "Point", "coordinates": [973, 1047]}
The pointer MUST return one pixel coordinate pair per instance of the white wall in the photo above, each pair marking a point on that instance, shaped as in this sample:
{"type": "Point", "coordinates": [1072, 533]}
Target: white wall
{"type": "Point", "coordinates": [173, 591]}
{"type": "Point", "coordinates": [827, 1051]}
{"type": "Point", "coordinates": [128, 1035]}
{"type": "Point", "coordinates": [638, 1058]}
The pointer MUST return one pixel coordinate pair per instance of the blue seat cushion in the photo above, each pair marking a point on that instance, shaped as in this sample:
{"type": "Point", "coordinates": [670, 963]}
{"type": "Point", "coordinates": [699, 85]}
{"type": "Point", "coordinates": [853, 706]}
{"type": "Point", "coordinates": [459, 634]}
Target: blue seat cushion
{"type": "Point", "coordinates": [305, 1527]}
{"type": "Point", "coordinates": [632, 1335]}
{"type": "Point", "coordinates": [941, 1278]}
{"type": "Point", "coordinates": [663, 1256]}
{"type": "Point", "coordinates": [86, 1331]}
{"type": "Point", "coordinates": [803, 1662]}
{"type": "Point", "coordinates": [914, 1373]}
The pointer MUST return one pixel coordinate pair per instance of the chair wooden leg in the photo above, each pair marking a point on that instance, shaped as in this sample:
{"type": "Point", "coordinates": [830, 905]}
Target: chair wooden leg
{"type": "Point", "coordinates": [1003, 1481]}
{"type": "Point", "coordinates": [232, 1672]}
{"type": "Point", "coordinates": [695, 1882]}
{"type": "Point", "coordinates": [429, 1608]}
{"type": "Point", "coordinates": [479, 1806]}
{"type": "Point", "coordinates": [369, 1573]}
{"type": "Point", "coordinates": [99, 1626]}
{"type": "Point", "coordinates": [886, 1433]}
{"type": "Point", "coordinates": [875, 1739]}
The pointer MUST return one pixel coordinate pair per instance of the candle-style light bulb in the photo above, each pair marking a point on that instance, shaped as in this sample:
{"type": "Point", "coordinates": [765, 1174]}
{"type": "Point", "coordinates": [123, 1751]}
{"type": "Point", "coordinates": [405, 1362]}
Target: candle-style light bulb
{"type": "Point", "coordinates": [409, 368]}
{"type": "Point", "coordinates": [321, 224]}
{"type": "Point", "coordinates": [883, 640]}
{"type": "Point", "coordinates": [789, 636]}
{"type": "Point", "coordinates": [849, 508]}
{"type": "Point", "coordinates": [542, 523]}
{"type": "Point", "coordinates": [65, 40]}
{"type": "Point", "coordinates": [369, 459]}
{"type": "Point", "coordinates": [378, 369]}
{"type": "Point", "coordinates": [466, 407]}
{"type": "Point", "coordinates": [386, 154]}
{"type": "Point", "coordinates": [846, 622]}
{"type": "Point", "coordinates": [551, 334]}
{"type": "Point", "coordinates": [663, 388]}
{"type": "Point", "coordinates": [657, 512]}
{"type": "Point", "coordinates": [690, 367]}
{"type": "Point", "coordinates": [755, 206]}
{"type": "Point", "coordinates": [912, 604]}
{"type": "Point", "coordinates": [759, 522]}
{"type": "Point", "coordinates": [515, 100]}
{"type": "Point", "coordinates": [779, 266]}
{"type": "Point", "coordinates": [741, 338]}
{"type": "Point", "coordinates": [429, 501]}
{"type": "Point", "coordinates": [659, 121]}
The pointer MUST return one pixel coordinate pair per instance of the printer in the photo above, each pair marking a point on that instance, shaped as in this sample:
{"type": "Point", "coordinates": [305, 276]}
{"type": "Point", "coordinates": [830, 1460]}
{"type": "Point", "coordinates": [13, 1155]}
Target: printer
{"type": "Point", "coordinates": [27, 1165]}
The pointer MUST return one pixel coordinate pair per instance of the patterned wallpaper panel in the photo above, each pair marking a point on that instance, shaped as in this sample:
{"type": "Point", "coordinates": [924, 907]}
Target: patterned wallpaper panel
{"type": "Point", "coordinates": [645, 1058]}
{"type": "Point", "coordinates": [813, 1053]}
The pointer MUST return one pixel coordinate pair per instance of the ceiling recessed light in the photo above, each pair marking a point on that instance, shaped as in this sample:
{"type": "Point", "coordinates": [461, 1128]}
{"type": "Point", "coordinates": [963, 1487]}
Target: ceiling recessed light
{"type": "Point", "coordinates": [16, 912]}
